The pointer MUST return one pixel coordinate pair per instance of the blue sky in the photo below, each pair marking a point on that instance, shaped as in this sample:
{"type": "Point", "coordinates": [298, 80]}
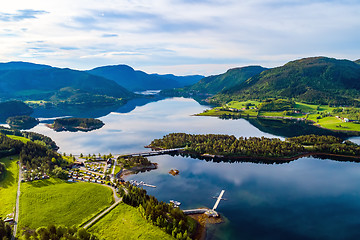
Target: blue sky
{"type": "Point", "coordinates": [177, 36]}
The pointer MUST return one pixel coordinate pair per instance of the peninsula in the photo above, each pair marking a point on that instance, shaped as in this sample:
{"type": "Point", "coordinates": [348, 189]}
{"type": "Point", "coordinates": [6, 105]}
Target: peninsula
{"type": "Point", "coordinates": [227, 148]}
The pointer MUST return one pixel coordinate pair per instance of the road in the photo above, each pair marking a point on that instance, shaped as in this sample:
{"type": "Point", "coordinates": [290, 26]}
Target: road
{"type": "Point", "coordinates": [17, 203]}
{"type": "Point", "coordinates": [117, 201]}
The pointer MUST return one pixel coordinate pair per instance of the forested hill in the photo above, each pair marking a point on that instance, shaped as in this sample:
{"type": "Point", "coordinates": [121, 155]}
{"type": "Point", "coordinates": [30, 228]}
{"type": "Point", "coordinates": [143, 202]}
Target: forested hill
{"type": "Point", "coordinates": [27, 81]}
{"type": "Point", "coordinates": [318, 80]}
{"type": "Point", "coordinates": [217, 83]}
{"type": "Point", "coordinates": [139, 81]}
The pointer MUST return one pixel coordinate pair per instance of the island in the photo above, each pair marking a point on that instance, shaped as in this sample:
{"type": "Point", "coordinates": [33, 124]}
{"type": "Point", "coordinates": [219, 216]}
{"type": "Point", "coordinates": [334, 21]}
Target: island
{"type": "Point", "coordinates": [229, 148]}
{"type": "Point", "coordinates": [76, 124]}
{"type": "Point", "coordinates": [22, 122]}
{"type": "Point", "coordinates": [174, 172]}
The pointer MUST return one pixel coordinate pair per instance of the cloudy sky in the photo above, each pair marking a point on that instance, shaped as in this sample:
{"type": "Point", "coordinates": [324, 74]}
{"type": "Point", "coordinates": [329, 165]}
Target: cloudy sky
{"type": "Point", "coordinates": [177, 36]}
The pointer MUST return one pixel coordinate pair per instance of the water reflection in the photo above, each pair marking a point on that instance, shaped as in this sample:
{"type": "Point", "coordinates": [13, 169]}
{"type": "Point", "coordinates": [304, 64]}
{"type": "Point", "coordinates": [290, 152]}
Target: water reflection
{"type": "Point", "coordinates": [129, 132]}
{"type": "Point", "coordinates": [305, 199]}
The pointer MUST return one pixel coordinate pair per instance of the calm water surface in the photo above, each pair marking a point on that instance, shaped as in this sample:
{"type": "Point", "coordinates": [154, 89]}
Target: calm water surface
{"type": "Point", "coordinates": [305, 199]}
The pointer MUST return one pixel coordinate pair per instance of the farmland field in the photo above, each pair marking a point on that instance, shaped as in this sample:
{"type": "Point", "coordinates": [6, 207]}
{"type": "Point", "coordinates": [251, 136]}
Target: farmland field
{"type": "Point", "coordinates": [125, 222]}
{"type": "Point", "coordinates": [54, 201]}
{"type": "Point", "coordinates": [8, 185]}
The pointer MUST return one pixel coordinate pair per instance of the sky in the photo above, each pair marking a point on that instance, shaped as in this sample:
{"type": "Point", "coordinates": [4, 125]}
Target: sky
{"type": "Point", "coordinates": [177, 36]}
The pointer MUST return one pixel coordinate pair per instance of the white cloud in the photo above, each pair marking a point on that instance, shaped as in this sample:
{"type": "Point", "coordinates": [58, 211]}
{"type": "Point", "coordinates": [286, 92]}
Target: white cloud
{"type": "Point", "coordinates": [182, 37]}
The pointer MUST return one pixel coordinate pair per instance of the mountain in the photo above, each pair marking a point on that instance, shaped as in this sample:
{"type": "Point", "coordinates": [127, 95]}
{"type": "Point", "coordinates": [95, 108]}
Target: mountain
{"type": "Point", "coordinates": [26, 81]}
{"type": "Point", "coordinates": [139, 81]}
{"type": "Point", "coordinates": [358, 61]}
{"type": "Point", "coordinates": [22, 66]}
{"type": "Point", "coordinates": [217, 83]}
{"type": "Point", "coordinates": [318, 80]}
{"type": "Point", "coordinates": [182, 80]}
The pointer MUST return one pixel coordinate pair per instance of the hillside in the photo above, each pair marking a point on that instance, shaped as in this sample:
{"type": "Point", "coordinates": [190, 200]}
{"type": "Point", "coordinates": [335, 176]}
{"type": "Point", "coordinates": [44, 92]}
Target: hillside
{"type": "Point", "coordinates": [140, 81]}
{"type": "Point", "coordinates": [217, 83]}
{"type": "Point", "coordinates": [26, 81]}
{"type": "Point", "coordinates": [358, 61]}
{"type": "Point", "coordinates": [13, 108]}
{"type": "Point", "coordinates": [318, 80]}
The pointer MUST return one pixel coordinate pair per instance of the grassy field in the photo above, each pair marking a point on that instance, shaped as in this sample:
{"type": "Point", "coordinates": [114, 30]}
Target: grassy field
{"type": "Point", "coordinates": [334, 123]}
{"type": "Point", "coordinates": [23, 139]}
{"type": "Point", "coordinates": [308, 111]}
{"type": "Point", "coordinates": [125, 222]}
{"type": "Point", "coordinates": [8, 186]}
{"type": "Point", "coordinates": [55, 201]}
{"type": "Point", "coordinates": [240, 105]}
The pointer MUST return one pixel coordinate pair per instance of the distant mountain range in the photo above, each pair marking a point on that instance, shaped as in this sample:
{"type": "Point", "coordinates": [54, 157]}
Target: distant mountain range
{"type": "Point", "coordinates": [319, 80]}
{"type": "Point", "coordinates": [139, 81]}
{"type": "Point", "coordinates": [99, 86]}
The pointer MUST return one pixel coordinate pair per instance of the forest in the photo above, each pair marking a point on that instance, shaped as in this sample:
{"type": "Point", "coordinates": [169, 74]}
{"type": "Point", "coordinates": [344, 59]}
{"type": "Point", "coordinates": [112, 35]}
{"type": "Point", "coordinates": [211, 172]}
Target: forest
{"type": "Point", "coordinates": [171, 220]}
{"type": "Point", "coordinates": [134, 161]}
{"type": "Point", "coordinates": [22, 122]}
{"type": "Point", "coordinates": [230, 146]}
{"type": "Point", "coordinates": [32, 154]}
{"type": "Point", "coordinates": [35, 137]}
{"type": "Point", "coordinates": [77, 124]}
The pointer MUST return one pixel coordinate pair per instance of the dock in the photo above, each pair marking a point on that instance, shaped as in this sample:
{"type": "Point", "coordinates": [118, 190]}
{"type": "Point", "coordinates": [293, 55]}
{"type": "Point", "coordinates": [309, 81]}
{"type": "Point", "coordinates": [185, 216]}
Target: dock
{"type": "Point", "coordinates": [207, 211]}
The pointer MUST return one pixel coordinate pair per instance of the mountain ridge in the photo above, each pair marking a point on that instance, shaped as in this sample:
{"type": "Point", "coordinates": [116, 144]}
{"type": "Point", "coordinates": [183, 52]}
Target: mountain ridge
{"type": "Point", "coordinates": [319, 80]}
{"type": "Point", "coordinates": [136, 80]}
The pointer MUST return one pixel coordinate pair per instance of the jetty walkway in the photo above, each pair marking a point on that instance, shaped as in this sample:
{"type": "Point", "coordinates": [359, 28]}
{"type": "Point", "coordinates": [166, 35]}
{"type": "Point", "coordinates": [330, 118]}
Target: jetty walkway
{"type": "Point", "coordinates": [207, 211]}
{"type": "Point", "coordinates": [149, 153]}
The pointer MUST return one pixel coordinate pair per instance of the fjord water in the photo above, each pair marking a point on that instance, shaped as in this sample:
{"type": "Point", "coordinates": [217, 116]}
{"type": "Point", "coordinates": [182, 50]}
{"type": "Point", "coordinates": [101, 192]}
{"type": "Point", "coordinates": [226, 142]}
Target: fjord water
{"type": "Point", "coordinates": [305, 199]}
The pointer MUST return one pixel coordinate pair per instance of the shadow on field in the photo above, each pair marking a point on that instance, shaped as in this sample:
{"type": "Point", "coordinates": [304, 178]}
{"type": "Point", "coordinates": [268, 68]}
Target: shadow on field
{"type": "Point", "coordinates": [8, 178]}
{"type": "Point", "coordinates": [43, 183]}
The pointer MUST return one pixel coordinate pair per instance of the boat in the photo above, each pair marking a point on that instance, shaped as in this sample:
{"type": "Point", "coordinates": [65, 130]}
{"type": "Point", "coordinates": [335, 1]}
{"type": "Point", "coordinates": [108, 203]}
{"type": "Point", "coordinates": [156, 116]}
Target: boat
{"type": "Point", "coordinates": [176, 203]}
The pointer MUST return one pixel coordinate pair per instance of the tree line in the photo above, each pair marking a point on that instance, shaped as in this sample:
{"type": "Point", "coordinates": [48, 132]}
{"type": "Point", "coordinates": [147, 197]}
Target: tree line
{"type": "Point", "coordinates": [58, 233]}
{"type": "Point", "coordinates": [134, 161]}
{"type": "Point", "coordinates": [230, 146]}
{"type": "Point", "coordinates": [35, 137]}
{"type": "Point", "coordinates": [218, 144]}
{"type": "Point", "coordinates": [171, 220]}
{"type": "Point", "coordinates": [33, 155]}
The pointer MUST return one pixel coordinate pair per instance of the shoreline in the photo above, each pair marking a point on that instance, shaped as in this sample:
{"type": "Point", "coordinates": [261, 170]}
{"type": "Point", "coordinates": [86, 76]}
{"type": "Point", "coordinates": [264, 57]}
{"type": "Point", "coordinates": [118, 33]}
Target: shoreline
{"type": "Point", "coordinates": [312, 122]}
{"type": "Point", "coordinates": [270, 159]}
{"type": "Point", "coordinates": [72, 129]}
{"type": "Point", "coordinates": [134, 170]}
{"type": "Point", "coordinates": [204, 222]}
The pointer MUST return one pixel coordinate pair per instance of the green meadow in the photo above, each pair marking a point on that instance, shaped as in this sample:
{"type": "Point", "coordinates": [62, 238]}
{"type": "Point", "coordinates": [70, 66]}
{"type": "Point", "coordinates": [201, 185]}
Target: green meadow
{"type": "Point", "coordinates": [54, 201]}
{"type": "Point", "coordinates": [314, 113]}
{"type": "Point", "coordinates": [125, 222]}
{"type": "Point", "coordinates": [19, 138]}
{"type": "Point", "coordinates": [8, 185]}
